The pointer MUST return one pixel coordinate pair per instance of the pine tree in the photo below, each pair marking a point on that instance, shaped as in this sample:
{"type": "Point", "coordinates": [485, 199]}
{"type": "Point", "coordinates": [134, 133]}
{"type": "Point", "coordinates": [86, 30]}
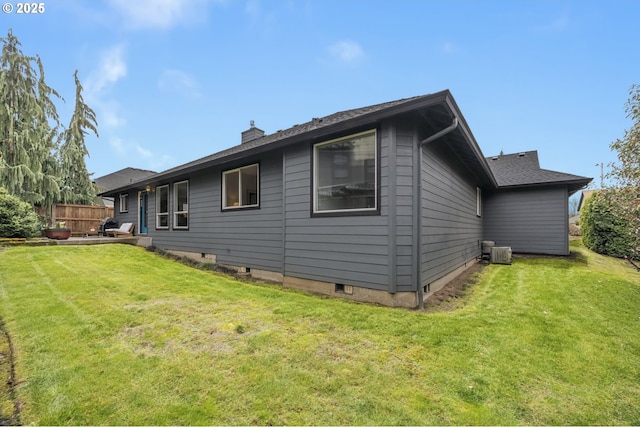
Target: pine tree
{"type": "Point", "coordinates": [28, 127]}
{"type": "Point", "coordinates": [76, 185]}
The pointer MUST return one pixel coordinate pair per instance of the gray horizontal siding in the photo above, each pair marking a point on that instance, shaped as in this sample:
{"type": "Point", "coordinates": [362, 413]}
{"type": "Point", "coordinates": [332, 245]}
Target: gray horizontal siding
{"type": "Point", "coordinates": [450, 229]}
{"type": "Point", "coordinates": [350, 250]}
{"type": "Point", "coordinates": [132, 214]}
{"type": "Point", "coordinates": [528, 220]}
{"type": "Point", "coordinates": [250, 237]}
{"type": "Point", "coordinates": [405, 212]}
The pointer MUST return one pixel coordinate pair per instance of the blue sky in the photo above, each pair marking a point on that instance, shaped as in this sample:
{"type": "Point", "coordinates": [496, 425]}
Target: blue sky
{"type": "Point", "coordinates": [175, 80]}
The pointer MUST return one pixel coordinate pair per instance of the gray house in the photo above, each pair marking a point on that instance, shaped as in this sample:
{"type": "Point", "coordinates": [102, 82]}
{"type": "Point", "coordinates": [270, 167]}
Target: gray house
{"type": "Point", "coordinates": [383, 204]}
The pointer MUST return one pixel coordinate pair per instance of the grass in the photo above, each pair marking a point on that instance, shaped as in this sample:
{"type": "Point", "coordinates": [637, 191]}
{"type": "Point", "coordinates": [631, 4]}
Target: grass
{"type": "Point", "coordinates": [113, 334]}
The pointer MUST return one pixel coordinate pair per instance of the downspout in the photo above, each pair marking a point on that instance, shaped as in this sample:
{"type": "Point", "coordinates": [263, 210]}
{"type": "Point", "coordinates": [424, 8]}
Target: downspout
{"type": "Point", "coordinates": [421, 144]}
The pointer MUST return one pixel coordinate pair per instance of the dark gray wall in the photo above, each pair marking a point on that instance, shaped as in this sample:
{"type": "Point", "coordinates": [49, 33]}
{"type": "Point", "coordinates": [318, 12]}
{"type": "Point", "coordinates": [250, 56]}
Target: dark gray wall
{"type": "Point", "coordinates": [132, 214]}
{"type": "Point", "coordinates": [533, 220]}
{"type": "Point", "coordinates": [350, 250]}
{"type": "Point", "coordinates": [402, 188]}
{"type": "Point", "coordinates": [245, 237]}
{"type": "Point", "coordinates": [379, 252]}
{"type": "Point", "coordinates": [450, 229]}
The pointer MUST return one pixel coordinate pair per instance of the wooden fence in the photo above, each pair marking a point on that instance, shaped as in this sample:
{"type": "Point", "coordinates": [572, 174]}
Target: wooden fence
{"type": "Point", "coordinates": [82, 219]}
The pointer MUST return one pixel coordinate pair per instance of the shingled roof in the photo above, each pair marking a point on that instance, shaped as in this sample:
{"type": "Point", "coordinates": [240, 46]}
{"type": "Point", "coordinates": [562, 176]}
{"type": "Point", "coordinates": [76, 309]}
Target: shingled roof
{"type": "Point", "coordinates": [336, 122]}
{"type": "Point", "coordinates": [122, 177]}
{"type": "Point", "coordinates": [297, 130]}
{"type": "Point", "coordinates": [506, 171]}
{"type": "Point", "coordinates": [523, 169]}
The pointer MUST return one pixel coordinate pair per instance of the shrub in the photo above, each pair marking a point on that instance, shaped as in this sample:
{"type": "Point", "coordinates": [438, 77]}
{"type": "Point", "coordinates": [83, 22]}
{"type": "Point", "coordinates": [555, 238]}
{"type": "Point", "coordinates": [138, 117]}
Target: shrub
{"type": "Point", "coordinates": [604, 225]}
{"type": "Point", "coordinates": [574, 230]}
{"type": "Point", "coordinates": [17, 218]}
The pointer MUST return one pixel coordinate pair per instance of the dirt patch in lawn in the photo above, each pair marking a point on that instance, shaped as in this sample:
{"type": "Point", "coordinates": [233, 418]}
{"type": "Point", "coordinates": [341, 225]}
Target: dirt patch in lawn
{"type": "Point", "coordinates": [450, 297]}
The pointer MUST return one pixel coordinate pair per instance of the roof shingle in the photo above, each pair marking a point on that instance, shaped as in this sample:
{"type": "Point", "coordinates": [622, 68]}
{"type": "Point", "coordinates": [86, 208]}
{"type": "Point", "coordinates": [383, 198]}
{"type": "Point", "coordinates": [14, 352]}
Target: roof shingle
{"type": "Point", "coordinates": [520, 169]}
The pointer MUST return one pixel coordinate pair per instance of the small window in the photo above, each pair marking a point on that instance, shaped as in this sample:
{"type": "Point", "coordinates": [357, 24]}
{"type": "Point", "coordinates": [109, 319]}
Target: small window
{"type": "Point", "coordinates": [124, 203]}
{"type": "Point", "coordinates": [478, 201]}
{"type": "Point", "coordinates": [240, 187]}
{"type": "Point", "coordinates": [181, 205]}
{"type": "Point", "coordinates": [345, 174]}
{"type": "Point", "coordinates": [162, 207]}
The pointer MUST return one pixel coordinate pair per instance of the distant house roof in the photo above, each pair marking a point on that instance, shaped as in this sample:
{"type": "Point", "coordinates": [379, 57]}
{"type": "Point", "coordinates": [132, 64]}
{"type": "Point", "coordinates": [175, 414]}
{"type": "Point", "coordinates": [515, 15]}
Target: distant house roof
{"type": "Point", "coordinates": [121, 178]}
{"type": "Point", "coordinates": [523, 169]}
{"type": "Point", "coordinates": [584, 196]}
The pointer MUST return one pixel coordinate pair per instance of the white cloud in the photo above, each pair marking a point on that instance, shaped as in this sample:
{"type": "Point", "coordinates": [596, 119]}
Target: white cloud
{"type": "Point", "coordinates": [152, 160]}
{"type": "Point", "coordinates": [448, 47]}
{"type": "Point", "coordinates": [347, 51]}
{"type": "Point", "coordinates": [117, 145]}
{"type": "Point", "coordinates": [109, 113]}
{"type": "Point", "coordinates": [253, 9]}
{"type": "Point", "coordinates": [143, 152]}
{"type": "Point", "coordinates": [558, 24]}
{"type": "Point", "coordinates": [110, 69]}
{"type": "Point", "coordinates": [160, 14]}
{"type": "Point", "coordinates": [179, 82]}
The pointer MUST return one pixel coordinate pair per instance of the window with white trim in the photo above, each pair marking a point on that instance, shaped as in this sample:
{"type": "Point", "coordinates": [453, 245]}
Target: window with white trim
{"type": "Point", "coordinates": [478, 201]}
{"type": "Point", "coordinates": [240, 187]}
{"type": "Point", "coordinates": [181, 205]}
{"type": "Point", "coordinates": [162, 207]}
{"type": "Point", "coordinates": [124, 203]}
{"type": "Point", "coordinates": [345, 176]}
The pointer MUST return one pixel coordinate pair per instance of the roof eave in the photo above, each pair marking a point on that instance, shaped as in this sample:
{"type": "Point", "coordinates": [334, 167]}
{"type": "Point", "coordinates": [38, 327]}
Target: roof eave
{"type": "Point", "coordinates": [344, 125]}
{"type": "Point", "coordinates": [572, 185]}
{"type": "Point", "coordinates": [473, 144]}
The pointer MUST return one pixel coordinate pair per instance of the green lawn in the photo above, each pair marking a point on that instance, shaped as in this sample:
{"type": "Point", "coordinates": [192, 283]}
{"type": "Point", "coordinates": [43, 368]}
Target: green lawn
{"type": "Point", "coordinates": [112, 334]}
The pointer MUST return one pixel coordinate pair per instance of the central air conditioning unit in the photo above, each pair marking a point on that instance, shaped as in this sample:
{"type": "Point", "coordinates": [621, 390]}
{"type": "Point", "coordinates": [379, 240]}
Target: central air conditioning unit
{"type": "Point", "coordinates": [501, 255]}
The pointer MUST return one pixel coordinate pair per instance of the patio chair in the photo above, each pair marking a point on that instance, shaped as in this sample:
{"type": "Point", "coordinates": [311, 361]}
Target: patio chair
{"type": "Point", "coordinates": [125, 230]}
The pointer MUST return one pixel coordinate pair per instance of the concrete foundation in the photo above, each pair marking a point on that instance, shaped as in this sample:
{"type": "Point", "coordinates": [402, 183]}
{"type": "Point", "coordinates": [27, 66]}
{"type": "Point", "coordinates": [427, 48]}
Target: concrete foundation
{"type": "Point", "coordinates": [354, 293]}
{"type": "Point", "coordinates": [196, 256]}
{"type": "Point", "coordinates": [440, 283]}
{"type": "Point", "coordinates": [270, 276]}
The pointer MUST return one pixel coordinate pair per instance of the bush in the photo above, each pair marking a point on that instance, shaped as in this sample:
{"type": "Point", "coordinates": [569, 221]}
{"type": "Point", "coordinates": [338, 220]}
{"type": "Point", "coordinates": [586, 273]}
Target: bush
{"type": "Point", "coordinates": [574, 230]}
{"type": "Point", "coordinates": [17, 218]}
{"type": "Point", "coordinates": [604, 226]}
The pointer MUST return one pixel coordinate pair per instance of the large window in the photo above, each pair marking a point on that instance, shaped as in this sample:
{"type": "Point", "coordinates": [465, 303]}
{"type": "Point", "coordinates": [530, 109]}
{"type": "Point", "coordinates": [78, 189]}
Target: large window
{"type": "Point", "coordinates": [181, 205]}
{"type": "Point", "coordinates": [124, 203]}
{"type": "Point", "coordinates": [345, 174]}
{"type": "Point", "coordinates": [162, 207]}
{"type": "Point", "coordinates": [240, 187]}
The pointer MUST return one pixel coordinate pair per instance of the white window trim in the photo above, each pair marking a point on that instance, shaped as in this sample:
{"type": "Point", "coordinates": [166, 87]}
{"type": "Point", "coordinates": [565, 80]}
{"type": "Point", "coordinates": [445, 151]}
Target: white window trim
{"type": "Point", "coordinates": [158, 213]}
{"type": "Point", "coordinates": [478, 201]}
{"type": "Point", "coordinates": [224, 187]}
{"type": "Point", "coordinates": [180, 210]}
{"type": "Point", "coordinates": [120, 205]}
{"type": "Point", "coordinates": [315, 176]}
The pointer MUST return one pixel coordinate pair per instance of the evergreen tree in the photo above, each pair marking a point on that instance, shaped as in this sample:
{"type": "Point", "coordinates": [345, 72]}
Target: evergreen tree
{"type": "Point", "coordinates": [28, 127]}
{"type": "Point", "coordinates": [76, 185]}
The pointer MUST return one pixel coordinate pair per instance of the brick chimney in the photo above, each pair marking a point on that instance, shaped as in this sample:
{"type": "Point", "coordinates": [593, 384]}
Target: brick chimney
{"type": "Point", "coordinates": [252, 133]}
